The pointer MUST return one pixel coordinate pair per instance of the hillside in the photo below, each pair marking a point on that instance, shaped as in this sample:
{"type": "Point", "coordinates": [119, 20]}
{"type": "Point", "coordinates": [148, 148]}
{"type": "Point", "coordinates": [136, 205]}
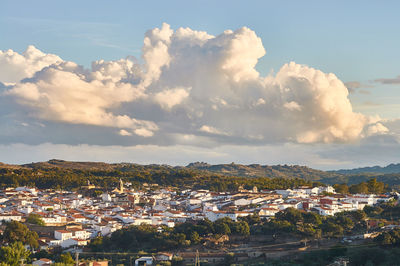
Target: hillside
{"type": "Point", "coordinates": [74, 174]}
{"type": "Point", "coordinates": [9, 166]}
{"type": "Point", "coordinates": [71, 165]}
{"type": "Point", "coordinates": [257, 170]}
{"type": "Point", "coordinates": [389, 169]}
{"type": "Point", "coordinates": [238, 170]}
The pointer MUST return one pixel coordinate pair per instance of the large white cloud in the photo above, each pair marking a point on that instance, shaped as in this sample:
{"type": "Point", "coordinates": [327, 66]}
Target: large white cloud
{"type": "Point", "coordinates": [190, 83]}
{"type": "Point", "coordinates": [15, 66]}
{"type": "Point", "coordinates": [65, 92]}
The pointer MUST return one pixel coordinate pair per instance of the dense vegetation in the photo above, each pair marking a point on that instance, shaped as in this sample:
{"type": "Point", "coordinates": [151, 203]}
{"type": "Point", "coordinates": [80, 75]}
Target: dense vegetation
{"type": "Point", "coordinates": [312, 225]}
{"type": "Point", "coordinates": [72, 178]}
{"type": "Point", "coordinates": [389, 169]}
{"type": "Point", "coordinates": [372, 186]}
{"type": "Point", "coordinates": [257, 170]}
{"type": "Point", "coordinates": [384, 250]}
{"type": "Point", "coordinates": [13, 239]}
{"type": "Point", "coordinates": [68, 175]}
{"type": "Point", "coordinates": [17, 232]}
{"type": "Point", "coordinates": [34, 218]}
{"type": "Point", "coordinates": [388, 211]}
{"type": "Point", "coordinates": [14, 254]}
{"type": "Point", "coordinates": [149, 238]}
{"type": "Point", "coordinates": [288, 223]}
{"type": "Point", "coordinates": [73, 175]}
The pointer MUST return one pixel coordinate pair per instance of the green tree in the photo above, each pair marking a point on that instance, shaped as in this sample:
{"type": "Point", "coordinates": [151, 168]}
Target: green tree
{"type": "Point", "coordinates": [194, 237]}
{"type": "Point", "coordinates": [180, 238]}
{"type": "Point", "coordinates": [242, 228]}
{"type": "Point", "coordinates": [361, 188]}
{"type": "Point", "coordinates": [34, 218]}
{"type": "Point", "coordinates": [331, 229]}
{"type": "Point", "coordinates": [14, 254]}
{"type": "Point", "coordinates": [66, 258]}
{"type": "Point", "coordinates": [357, 216]}
{"type": "Point", "coordinates": [251, 219]}
{"type": "Point", "coordinates": [312, 218]}
{"type": "Point", "coordinates": [372, 211]}
{"type": "Point", "coordinates": [344, 221]}
{"type": "Point", "coordinates": [375, 187]}
{"type": "Point", "coordinates": [222, 228]}
{"type": "Point", "coordinates": [341, 188]}
{"type": "Point", "coordinates": [18, 232]}
{"type": "Point", "coordinates": [291, 215]}
{"type": "Point", "coordinates": [96, 243]}
{"type": "Point", "coordinates": [389, 238]}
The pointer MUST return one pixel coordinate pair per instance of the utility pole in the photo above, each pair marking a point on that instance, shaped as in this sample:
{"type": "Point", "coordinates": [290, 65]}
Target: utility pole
{"type": "Point", "coordinates": [197, 261]}
{"type": "Point", "coordinates": [76, 258]}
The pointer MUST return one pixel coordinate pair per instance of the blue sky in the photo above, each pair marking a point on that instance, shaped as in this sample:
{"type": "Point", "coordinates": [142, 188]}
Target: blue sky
{"type": "Point", "coordinates": [355, 40]}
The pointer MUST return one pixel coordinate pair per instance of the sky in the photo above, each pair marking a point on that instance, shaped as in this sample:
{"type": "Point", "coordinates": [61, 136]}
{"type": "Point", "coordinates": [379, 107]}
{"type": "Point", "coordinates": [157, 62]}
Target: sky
{"type": "Point", "coordinates": [313, 83]}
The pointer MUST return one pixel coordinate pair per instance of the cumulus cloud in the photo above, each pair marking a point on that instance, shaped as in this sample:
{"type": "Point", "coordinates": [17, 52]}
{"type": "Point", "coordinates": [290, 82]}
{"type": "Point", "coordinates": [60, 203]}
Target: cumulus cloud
{"type": "Point", "coordinates": [377, 128]}
{"type": "Point", "coordinates": [15, 66]}
{"type": "Point", "coordinates": [190, 83]}
{"type": "Point", "coordinates": [64, 92]}
{"type": "Point", "coordinates": [168, 98]}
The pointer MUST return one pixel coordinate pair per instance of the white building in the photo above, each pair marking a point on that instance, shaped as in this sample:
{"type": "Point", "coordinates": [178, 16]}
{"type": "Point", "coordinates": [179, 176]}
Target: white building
{"type": "Point", "coordinates": [42, 261]}
{"type": "Point", "coordinates": [62, 234]}
{"type": "Point", "coordinates": [10, 217]}
{"type": "Point", "coordinates": [144, 260]}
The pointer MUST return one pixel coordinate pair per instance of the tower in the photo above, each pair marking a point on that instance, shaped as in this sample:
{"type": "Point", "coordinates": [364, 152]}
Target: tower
{"type": "Point", "coordinates": [121, 186]}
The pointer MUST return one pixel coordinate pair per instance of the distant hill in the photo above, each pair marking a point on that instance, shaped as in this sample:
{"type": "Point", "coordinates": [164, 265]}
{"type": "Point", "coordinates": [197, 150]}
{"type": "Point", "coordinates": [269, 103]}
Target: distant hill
{"type": "Point", "coordinates": [9, 166]}
{"type": "Point", "coordinates": [192, 173]}
{"type": "Point", "coordinates": [73, 175]}
{"type": "Point", "coordinates": [257, 170]}
{"type": "Point", "coordinates": [240, 170]}
{"type": "Point", "coordinates": [71, 165]}
{"type": "Point", "coordinates": [389, 169]}
{"type": "Point", "coordinates": [232, 169]}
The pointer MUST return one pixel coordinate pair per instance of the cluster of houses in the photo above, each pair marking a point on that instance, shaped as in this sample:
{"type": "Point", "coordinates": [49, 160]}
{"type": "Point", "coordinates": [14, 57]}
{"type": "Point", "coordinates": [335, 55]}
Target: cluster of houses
{"type": "Point", "coordinates": [71, 219]}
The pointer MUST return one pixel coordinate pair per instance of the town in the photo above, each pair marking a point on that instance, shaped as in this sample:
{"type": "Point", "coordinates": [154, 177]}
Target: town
{"type": "Point", "coordinates": [78, 217]}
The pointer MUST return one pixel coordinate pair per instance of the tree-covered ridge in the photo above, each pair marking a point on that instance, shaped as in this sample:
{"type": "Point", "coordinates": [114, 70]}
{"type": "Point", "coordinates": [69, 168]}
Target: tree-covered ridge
{"type": "Point", "coordinates": [389, 169]}
{"type": "Point", "coordinates": [56, 177]}
{"type": "Point", "coordinates": [257, 170]}
{"type": "Point", "coordinates": [68, 175]}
